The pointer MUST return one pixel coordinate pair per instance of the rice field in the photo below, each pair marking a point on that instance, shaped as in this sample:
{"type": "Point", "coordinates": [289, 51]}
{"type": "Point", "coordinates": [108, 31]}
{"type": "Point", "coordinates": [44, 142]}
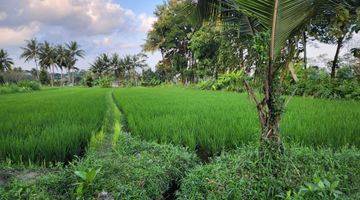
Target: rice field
{"type": "Point", "coordinates": [223, 120]}
{"type": "Point", "coordinates": [50, 125]}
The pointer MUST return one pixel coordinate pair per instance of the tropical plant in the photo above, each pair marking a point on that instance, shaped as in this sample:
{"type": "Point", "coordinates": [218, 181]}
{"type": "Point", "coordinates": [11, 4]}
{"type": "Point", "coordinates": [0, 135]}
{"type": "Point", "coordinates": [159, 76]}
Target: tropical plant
{"type": "Point", "coordinates": [5, 61]}
{"type": "Point", "coordinates": [48, 59]}
{"type": "Point", "coordinates": [61, 59]}
{"type": "Point", "coordinates": [75, 53]}
{"type": "Point", "coordinates": [31, 51]}
{"type": "Point", "coordinates": [282, 20]}
{"type": "Point", "coordinates": [336, 25]}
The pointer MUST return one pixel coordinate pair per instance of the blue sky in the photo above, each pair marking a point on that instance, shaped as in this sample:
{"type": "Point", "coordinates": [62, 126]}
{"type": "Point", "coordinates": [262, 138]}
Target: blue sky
{"type": "Point", "coordinates": [100, 26]}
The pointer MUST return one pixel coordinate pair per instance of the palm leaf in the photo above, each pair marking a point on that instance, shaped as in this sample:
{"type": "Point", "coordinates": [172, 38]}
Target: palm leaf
{"type": "Point", "coordinates": [281, 17]}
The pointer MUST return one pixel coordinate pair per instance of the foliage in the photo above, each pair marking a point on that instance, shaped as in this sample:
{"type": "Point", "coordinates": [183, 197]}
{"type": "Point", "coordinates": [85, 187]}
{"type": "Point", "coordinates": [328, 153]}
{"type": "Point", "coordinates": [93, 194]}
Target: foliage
{"type": "Point", "coordinates": [131, 170]}
{"type": "Point", "coordinates": [22, 86]}
{"type": "Point", "coordinates": [15, 75]}
{"type": "Point", "coordinates": [44, 77]}
{"type": "Point", "coordinates": [31, 85]}
{"type": "Point", "coordinates": [230, 81]}
{"type": "Point", "coordinates": [86, 181]}
{"type": "Point", "coordinates": [317, 83]}
{"type": "Point", "coordinates": [104, 82]}
{"type": "Point", "coordinates": [5, 61]}
{"type": "Point", "coordinates": [50, 126]}
{"type": "Point", "coordinates": [150, 78]}
{"type": "Point", "coordinates": [217, 120]}
{"type": "Point", "coordinates": [88, 80]}
{"type": "Point", "coordinates": [242, 175]}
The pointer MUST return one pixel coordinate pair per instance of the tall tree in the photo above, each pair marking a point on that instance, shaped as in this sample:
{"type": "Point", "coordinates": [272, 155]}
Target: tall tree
{"type": "Point", "coordinates": [31, 52]}
{"type": "Point", "coordinates": [336, 26]}
{"type": "Point", "coordinates": [75, 53]}
{"type": "Point", "coordinates": [282, 20]}
{"type": "Point", "coordinates": [48, 58]}
{"type": "Point", "coordinates": [5, 61]}
{"type": "Point", "coordinates": [61, 59]}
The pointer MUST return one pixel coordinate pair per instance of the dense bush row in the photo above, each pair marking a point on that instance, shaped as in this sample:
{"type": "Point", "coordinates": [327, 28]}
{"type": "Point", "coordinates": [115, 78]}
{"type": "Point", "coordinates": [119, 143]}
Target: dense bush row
{"type": "Point", "coordinates": [22, 86]}
{"type": "Point", "coordinates": [314, 82]}
{"type": "Point", "coordinates": [303, 173]}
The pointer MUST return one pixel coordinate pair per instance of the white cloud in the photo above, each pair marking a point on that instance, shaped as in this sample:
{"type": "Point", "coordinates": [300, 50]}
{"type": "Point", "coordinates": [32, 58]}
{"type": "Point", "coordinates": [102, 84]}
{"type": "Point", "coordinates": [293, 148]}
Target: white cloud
{"type": "Point", "coordinates": [146, 22]}
{"type": "Point", "coordinates": [3, 16]}
{"type": "Point", "coordinates": [16, 36]}
{"type": "Point", "coordinates": [90, 17]}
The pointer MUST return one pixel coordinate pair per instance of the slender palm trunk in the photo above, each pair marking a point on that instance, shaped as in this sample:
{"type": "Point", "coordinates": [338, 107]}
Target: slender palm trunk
{"type": "Point", "coordinates": [52, 76]}
{"type": "Point", "coordinates": [73, 78]}
{"type": "Point", "coordinates": [69, 77]}
{"type": "Point", "coordinates": [62, 77]}
{"type": "Point", "coordinates": [305, 51]}
{"type": "Point", "coordinates": [37, 70]}
{"type": "Point", "coordinates": [336, 57]}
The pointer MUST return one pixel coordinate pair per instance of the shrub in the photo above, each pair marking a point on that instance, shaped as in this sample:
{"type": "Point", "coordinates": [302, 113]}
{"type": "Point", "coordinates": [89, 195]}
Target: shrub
{"type": "Point", "coordinates": [88, 80]}
{"type": "Point", "coordinates": [44, 77]}
{"type": "Point", "coordinates": [303, 173]}
{"type": "Point", "coordinates": [29, 85]}
{"type": "Point", "coordinates": [105, 82]}
{"type": "Point", "coordinates": [230, 81]}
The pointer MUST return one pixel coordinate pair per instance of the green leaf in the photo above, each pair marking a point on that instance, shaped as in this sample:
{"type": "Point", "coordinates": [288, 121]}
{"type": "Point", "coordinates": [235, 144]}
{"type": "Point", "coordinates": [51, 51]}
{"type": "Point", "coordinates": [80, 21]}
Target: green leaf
{"type": "Point", "coordinates": [81, 174]}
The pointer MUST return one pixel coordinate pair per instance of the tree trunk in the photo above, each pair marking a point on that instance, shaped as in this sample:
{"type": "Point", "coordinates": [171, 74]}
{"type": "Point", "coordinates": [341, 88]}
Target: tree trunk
{"type": "Point", "coordinates": [69, 76]}
{"type": "Point", "coordinates": [336, 57]}
{"type": "Point", "coordinates": [37, 70]}
{"type": "Point", "coordinates": [305, 51]}
{"type": "Point", "coordinates": [73, 78]}
{"type": "Point", "coordinates": [62, 77]}
{"type": "Point", "coordinates": [52, 76]}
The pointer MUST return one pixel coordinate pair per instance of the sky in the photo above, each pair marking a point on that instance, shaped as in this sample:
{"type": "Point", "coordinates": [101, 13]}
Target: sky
{"type": "Point", "coordinates": [99, 26]}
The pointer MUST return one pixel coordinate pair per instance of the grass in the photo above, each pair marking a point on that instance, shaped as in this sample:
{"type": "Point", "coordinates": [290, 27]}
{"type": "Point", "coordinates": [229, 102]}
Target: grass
{"type": "Point", "coordinates": [51, 125]}
{"type": "Point", "coordinates": [126, 168]}
{"type": "Point", "coordinates": [217, 120]}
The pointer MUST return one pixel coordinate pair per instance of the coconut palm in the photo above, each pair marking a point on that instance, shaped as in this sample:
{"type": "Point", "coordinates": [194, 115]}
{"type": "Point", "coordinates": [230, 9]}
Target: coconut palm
{"type": "Point", "coordinates": [61, 59]}
{"type": "Point", "coordinates": [31, 52]}
{"type": "Point", "coordinates": [48, 58]}
{"type": "Point", "coordinates": [5, 61]}
{"type": "Point", "coordinates": [282, 19]}
{"type": "Point", "coordinates": [117, 67]}
{"type": "Point", "coordinates": [75, 52]}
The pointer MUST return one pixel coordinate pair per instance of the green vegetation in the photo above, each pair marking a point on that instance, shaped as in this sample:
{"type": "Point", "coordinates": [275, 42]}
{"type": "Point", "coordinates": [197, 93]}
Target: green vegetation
{"type": "Point", "coordinates": [52, 125]}
{"type": "Point", "coordinates": [116, 166]}
{"type": "Point", "coordinates": [22, 86]}
{"type": "Point", "coordinates": [302, 173]}
{"type": "Point", "coordinates": [217, 120]}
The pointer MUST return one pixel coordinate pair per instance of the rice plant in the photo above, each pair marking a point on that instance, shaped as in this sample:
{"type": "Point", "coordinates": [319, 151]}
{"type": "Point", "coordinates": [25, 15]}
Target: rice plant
{"type": "Point", "coordinates": [221, 120]}
{"type": "Point", "coordinates": [52, 125]}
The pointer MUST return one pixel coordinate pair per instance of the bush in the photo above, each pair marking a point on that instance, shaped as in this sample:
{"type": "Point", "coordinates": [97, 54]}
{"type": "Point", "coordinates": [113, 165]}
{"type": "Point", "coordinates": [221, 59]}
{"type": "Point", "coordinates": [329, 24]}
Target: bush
{"type": "Point", "coordinates": [22, 86]}
{"type": "Point", "coordinates": [105, 82]}
{"type": "Point", "coordinates": [29, 85]}
{"type": "Point", "coordinates": [230, 81]}
{"type": "Point", "coordinates": [88, 80]}
{"type": "Point", "coordinates": [132, 170]}
{"type": "Point", "coordinates": [302, 173]}
{"type": "Point", "coordinates": [44, 77]}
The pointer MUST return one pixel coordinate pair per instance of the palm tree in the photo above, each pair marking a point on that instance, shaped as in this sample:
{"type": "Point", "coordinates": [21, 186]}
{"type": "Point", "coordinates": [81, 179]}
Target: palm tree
{"type": "Point", "coordinates": [75, 52]}
{"type": "Point", "coordinates": [48, 58]}
{"type": "Point", "coordinates": [31, 52]}
{"type": "Point", "coordinates": [61, 59]}
{"type": "Point", "coordinates": [282, 19]}
{"type": "Point", "coordinates": [5, 61]}
{"type": "Point", "coordinates": [117, 67]}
